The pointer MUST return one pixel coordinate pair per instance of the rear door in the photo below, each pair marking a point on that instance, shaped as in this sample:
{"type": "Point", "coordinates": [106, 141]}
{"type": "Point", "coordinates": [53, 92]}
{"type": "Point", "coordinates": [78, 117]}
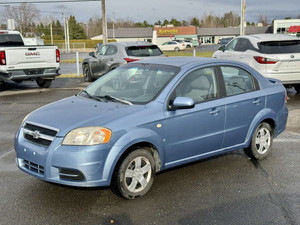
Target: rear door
{"type": "Point", "coordinates": [243, 102]}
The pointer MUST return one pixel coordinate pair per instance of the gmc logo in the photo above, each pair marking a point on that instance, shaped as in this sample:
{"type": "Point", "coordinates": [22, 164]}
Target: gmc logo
{"type": "Point", "coordinates": [32, 54]}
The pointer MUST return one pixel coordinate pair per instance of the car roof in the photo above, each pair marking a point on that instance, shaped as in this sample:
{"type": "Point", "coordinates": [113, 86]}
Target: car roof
{"type": "Point", "coordinates": [131, 43]}
{"type": "Point", "coordinates": [269, 37]}
{"type": "Point", "coordinates": [181, 61]}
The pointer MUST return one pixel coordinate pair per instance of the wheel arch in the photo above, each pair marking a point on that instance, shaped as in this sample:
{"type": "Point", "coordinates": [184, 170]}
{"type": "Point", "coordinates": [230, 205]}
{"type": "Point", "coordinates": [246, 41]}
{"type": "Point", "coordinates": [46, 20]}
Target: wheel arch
{"type": "Point", "coordinates": [144, 138]}
{"type": "Point", "coordinates": [265, 116]}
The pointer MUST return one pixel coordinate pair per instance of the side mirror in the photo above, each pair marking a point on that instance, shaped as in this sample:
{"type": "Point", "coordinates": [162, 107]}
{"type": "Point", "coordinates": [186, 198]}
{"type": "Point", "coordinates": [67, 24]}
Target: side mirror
{"type": "Point", "coordinates": [222, 48]}
{"type": "Point", "coordinates": [92, 54]}
{"type": "Point", "coordinates": [182, 103]}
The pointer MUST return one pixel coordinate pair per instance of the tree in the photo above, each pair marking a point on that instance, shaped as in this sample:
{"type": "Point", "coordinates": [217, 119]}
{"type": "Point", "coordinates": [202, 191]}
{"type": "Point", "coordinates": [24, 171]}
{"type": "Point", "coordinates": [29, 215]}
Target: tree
{"type": "Point", "coordinates": [24, 16]}
{"type": "Point", "coordinates": [75, 30]}
{"type": "Point", "coordinates": [195, 22]}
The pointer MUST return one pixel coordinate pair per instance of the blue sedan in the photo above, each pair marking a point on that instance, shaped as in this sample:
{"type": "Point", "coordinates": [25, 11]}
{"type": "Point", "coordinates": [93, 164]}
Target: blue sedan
{"type": "Point", "coordinates": [149, 116]}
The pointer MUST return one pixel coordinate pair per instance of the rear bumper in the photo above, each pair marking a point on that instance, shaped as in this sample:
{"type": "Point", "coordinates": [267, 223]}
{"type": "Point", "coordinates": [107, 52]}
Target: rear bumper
{"type": "Point", "coordinates": [286, 77]}
{"type": "Point", "coordinates": [29, 74]}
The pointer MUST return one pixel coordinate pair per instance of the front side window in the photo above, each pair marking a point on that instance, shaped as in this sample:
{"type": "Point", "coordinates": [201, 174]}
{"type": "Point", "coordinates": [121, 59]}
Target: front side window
{"type": "Point", "coordinates": [237, 80]}
{"type": "Point", "coordinates": [134, 83]}
{"type": "Point", "coordinates": [231, 45]}
{"type": "Point", "coordinates": [200, 85]}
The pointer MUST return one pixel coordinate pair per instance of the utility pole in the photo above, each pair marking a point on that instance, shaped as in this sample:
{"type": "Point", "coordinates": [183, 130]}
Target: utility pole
{"type": "Point", "coordinates": [104, 25]}
{"type": "Point", "coordinates": [243, 10]}
{"type": "Point", "coordinates": [51, 33]}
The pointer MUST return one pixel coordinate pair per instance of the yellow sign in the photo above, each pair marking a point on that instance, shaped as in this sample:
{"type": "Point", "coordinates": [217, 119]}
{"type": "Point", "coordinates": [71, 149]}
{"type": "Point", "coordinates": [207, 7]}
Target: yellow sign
{"type": "Point", "coordinates": [168, 31]}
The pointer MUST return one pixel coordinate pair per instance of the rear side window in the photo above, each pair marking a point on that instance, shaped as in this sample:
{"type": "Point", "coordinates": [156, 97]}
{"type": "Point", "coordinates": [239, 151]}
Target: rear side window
{"type": "Point", "coordinates": [237, 80]}
{"type": "Point", "coordinates": [277, 47]}
{"type": "Point", "coordinates": [143, 51]}
{"type": "Point", "coordinates": [11, 40]}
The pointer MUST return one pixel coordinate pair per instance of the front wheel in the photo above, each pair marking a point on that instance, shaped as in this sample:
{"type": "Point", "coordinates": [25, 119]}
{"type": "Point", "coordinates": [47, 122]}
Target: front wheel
{"type": "Point", "coordinates": [43, 83]}
{"type": "Point", "coordinates": [86, 73]}
{"type": "Point", "coordinates": [135, 174]}
{"type": "Point", "coordinates": [261, 142]}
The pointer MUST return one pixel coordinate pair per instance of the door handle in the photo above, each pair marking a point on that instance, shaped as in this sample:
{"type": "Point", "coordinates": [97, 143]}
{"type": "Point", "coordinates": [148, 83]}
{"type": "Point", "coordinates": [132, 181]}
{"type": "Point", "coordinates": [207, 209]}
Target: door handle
{"type": "Point", "coordinates": [214, 112]}
{"type": "Point", "coordinates": [256, 101]}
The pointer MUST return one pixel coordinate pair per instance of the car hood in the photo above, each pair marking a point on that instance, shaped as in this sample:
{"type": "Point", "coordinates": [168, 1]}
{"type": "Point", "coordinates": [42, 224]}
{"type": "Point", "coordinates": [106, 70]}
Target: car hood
{"type": "Point", "coordinates": [73, 112]}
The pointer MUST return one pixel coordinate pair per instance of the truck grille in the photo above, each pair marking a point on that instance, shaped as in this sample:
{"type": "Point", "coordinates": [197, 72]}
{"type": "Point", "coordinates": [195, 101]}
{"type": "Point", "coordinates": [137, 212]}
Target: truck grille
{"type": "Point", "coordinates": [39, 135]}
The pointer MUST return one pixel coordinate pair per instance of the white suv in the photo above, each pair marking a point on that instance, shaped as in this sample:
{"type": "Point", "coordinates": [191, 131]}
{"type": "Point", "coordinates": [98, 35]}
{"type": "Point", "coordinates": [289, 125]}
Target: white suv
{"type": "Point", "coordinates": [273, 55]}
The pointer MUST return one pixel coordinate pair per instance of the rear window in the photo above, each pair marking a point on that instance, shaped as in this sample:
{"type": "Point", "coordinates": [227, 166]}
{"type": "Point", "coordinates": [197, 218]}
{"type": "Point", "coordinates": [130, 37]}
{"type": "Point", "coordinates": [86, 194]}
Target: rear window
{"type": "Point", "coordinates": [143, 51]}
{"type": "Point", "coordinates": [277, 47]}
{"type": "Point", "coordinates": [11, 40]}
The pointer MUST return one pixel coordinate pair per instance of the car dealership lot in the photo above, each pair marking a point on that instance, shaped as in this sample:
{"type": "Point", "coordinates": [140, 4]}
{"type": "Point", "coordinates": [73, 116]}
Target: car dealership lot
{"type": "Point", "coordinates": [224, 190]}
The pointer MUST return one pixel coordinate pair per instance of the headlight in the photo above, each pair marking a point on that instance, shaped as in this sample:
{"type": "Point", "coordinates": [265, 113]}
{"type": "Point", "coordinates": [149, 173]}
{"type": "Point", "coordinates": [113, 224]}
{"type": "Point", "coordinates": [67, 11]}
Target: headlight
{"type": "Point", "coordinates": [87, 136]}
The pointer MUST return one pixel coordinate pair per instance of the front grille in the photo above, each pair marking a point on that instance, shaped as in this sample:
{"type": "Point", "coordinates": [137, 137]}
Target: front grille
{"type": "Point", "coordinates": [33, 167]}
{"type": "Point", "coordinates": [39, 135]}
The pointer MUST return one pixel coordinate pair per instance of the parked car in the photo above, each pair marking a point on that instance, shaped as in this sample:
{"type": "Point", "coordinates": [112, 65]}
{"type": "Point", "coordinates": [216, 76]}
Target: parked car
{"type": "Point", "coordinates": [19, 62]}
{"type": "Point", "coordinates": [184, 43]}
{"type": "Point", "coordinates": [172, 46]}
{"type": "Point", "coordinates": [110, 56]}
{"type": "Point", "coordinates": [224, 41]}
{"type": "Point", "coordinates": [149, 116]}
{"type": "Point", "coordinates": [276, 56]}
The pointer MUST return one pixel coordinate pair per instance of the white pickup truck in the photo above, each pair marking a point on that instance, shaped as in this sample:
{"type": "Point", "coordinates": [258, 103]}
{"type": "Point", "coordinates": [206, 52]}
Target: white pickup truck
{"type": "Point", "coordinates": [19, 62]}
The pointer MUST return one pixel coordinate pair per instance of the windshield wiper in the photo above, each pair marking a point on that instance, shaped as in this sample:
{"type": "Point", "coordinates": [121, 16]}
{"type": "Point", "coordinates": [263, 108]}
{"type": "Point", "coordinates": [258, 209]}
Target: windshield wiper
{"type": "Point", "coordinates": [114, 99]}
{"type": "Point", "coordinates": [91, 96]}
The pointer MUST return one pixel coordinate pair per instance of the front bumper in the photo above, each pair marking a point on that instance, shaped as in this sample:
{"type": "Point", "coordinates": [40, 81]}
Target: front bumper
{"type": "Point", "coordinates": [80, 166]}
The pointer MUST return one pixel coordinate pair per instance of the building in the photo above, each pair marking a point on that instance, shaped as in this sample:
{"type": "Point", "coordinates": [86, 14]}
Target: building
{"type": "Point", "coordinates": [291, 27]}
{"type": "Point", "coordinates": [159, 35]}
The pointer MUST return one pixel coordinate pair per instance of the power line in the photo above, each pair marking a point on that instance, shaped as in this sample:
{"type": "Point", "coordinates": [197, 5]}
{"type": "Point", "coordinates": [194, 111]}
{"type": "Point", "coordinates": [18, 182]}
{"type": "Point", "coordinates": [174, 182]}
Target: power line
{"type": "Point", "coordinates": [48, 1]}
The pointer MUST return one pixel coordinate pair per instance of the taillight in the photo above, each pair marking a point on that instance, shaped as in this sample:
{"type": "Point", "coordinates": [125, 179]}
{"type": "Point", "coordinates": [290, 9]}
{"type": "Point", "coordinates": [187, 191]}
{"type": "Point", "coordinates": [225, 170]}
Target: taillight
{"type": "Point", "coordinates": [2, 58]}
{"type": "Point", "coordinates": [128, 60]}
{"type": "Point", "coordinates": [263, 60]}
{"type": "Point", "coordinates": [285, 97]}
{"type": "Point", "coordinates": [57, 55]}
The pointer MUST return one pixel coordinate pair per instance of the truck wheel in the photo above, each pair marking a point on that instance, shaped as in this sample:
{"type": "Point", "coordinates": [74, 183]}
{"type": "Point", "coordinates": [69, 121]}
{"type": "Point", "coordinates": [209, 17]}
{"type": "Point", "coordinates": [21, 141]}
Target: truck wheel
{"type": "Point", "coordinates": [43, 83]}
{"type": "Point", "coordinates": [86, 73]}
{"type": "Point", "coordinates": [261, 142]}
{"type": "Point", "coordinates": [134, 175]}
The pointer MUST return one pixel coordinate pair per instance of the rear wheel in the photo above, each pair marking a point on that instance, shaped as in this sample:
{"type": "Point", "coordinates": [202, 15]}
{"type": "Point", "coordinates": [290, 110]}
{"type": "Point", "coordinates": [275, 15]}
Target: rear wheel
{"type": "Point", "coordinates": [86, 73]}
{"type": "Point", "coordinates": [135, 174]}
{"type": "Point", "coordinates": [297, 87]}
{"type": "Point", "coordinates": [261, 142]}
{"type": "Point", "coordinates": [43, 83]}
{"type": "Point", "coordinates": [176, 49]}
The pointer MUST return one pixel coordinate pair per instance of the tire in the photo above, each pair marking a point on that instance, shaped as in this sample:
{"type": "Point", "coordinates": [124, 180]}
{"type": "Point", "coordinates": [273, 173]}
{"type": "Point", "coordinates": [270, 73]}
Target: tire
{"type": "Point", "coordinates": [134, 176]}
{"type": "Point", "coordinates": [43, 83]}
{"type": "Point", "coordinates": [297, 87]}
{"type": "Point", "coordinates": [176, 49]}
{"type": "Point", "coordinates": [87, 73]}
{"type": "Point", "coordinates": [261, 142]}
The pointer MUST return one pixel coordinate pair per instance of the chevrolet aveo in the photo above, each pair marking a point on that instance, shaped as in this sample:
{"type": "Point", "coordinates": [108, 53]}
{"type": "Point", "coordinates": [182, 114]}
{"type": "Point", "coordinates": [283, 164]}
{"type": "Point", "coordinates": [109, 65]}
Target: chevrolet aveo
{"type": "Point", "coordinates": [149, 116]}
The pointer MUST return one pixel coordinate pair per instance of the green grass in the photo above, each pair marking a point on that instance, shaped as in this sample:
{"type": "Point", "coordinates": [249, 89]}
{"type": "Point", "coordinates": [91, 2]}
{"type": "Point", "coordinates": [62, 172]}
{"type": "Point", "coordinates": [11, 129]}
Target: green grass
{"type": "Point", "coordinates": [71, 60]}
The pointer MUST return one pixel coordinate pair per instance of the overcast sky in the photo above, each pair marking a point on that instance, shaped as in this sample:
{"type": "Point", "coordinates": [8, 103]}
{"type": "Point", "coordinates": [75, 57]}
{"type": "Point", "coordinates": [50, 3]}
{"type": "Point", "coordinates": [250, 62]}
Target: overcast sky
{"type": "Point", "coordinates": [154, 10]}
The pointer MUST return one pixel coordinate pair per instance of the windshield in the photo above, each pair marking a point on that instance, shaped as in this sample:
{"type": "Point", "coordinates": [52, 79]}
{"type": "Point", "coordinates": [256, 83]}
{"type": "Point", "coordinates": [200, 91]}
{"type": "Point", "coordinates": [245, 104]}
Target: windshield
{"type": "Point", "coordinates": [131, 84]}
{"type": "Point", "coordinates": [141, 51]}
{"type": "Point", "coordinates": [11, 40]}
{"type": "Point", "coordinates": [277, 47]}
